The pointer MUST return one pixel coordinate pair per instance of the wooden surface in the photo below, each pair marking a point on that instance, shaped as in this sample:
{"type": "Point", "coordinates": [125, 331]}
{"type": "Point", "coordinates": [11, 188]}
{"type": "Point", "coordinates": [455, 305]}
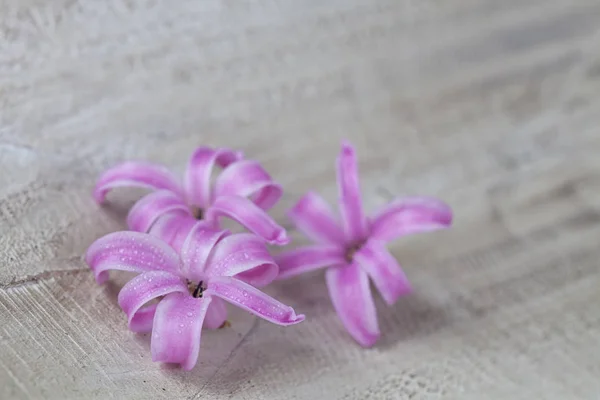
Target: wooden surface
{"type": "Point", "coordinates": [491, 105]}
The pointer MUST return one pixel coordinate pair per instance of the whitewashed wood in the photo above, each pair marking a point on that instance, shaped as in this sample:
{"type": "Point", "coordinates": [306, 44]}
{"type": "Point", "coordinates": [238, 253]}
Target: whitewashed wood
{"type": "Point", "coordinates": [491, 105]}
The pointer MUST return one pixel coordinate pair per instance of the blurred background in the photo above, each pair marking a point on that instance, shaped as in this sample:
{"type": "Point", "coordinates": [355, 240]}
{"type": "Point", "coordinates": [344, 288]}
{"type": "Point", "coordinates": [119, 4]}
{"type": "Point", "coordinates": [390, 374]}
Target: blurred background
{"type": "Point", "coordinates": [490, 105]}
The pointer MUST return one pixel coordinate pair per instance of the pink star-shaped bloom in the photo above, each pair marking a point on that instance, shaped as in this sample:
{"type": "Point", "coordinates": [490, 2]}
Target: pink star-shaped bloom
{"type": "Point", "coordinates": [209, 270]}
{"type": "Point", "coordinates": [355, 251]}
{"type": "Point", "coordinates": [243, 192]}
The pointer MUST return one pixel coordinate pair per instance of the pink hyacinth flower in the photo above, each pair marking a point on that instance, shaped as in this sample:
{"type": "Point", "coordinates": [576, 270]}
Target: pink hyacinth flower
{"type": "Point", "coordinates": [190, 288]}
{"type": "Point", "coordinates": [243, 192]}
{"type": "Point", "coordinates": [355, 251]}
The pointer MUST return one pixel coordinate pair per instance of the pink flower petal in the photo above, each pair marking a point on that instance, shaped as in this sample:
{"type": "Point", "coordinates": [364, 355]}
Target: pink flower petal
{"type": "Point", "coordinates": [177, 329]}
{"type": "Point", "coordinates": [146, 287]}
{"type": "Point", "coordinates": [353, 219]}
{"type": "Point", "coordinates": [244, 256]}
{"type": "Point", "coordinates": [169, 225]}
{"type": "Point", "coordinates": [248, 214]}
{"type": "Point", "coordinates": [305, 259]}
{"type": "Point", "coordinates": [136, 174]}
{"type": "Point", "coordinates": [313, 217]}
{"type": "Point", "coordinates": [130, 251]}
{"type": "Point", "coordinates": [143, 319]}
{"type": "Point", "coordinates": [149, 208]}
{"type": "Point", "coordinates": [197, 248]}
{"type": "Point", "coordinates": [384, 270]}
{"type": "Point", "coordinates": [247, 178]}
{"type": "Point", "coordinates": [216, 314]}
{"type": "Point", "coordinates": [351, 297]}
{"type": "Point", "coordinates": [197, 180]}
{"type": "Point", "coordinates": [252, 300]}
{"type": "Point", "coordinates": [410, 215]}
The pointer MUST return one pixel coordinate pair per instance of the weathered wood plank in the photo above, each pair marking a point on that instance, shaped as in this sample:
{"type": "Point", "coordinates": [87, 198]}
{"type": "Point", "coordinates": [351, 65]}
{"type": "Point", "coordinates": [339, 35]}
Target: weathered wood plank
{"type": "Point", "coordinates": [493, 106]}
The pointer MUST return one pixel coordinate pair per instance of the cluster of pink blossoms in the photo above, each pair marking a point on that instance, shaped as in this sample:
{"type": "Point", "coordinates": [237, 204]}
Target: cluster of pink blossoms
{"type": "Point", "coordinates": [188, 267]}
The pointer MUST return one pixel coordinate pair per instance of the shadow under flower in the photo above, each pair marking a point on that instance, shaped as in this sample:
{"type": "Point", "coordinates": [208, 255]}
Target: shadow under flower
{"type": "Point", "coordinates": [412, 316]}
{"type": "Point", "coordinates": [118, 204]}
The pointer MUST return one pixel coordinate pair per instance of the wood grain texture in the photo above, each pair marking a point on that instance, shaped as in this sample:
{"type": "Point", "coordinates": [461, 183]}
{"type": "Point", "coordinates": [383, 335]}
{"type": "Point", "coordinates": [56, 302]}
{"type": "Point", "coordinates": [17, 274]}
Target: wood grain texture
{"type": "Point", "coordinates": [491, 105]}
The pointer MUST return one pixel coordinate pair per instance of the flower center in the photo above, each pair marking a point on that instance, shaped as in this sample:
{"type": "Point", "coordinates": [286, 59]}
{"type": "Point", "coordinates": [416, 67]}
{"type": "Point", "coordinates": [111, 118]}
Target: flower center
{"type": "Point", "coordinates": [196, 290]}
{"type": "Point", "coordinates": [351, 251]}
{"type": "Point", "coordinates": [197, 212]}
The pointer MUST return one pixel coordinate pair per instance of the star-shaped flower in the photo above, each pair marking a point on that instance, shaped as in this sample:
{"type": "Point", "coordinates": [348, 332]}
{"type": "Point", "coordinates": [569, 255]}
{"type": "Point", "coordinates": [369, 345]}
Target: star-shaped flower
{"type": "Point", "coordinates": [209, 271]}
{"type": "Point", "coordinates": [243, 192]}
{"type": "Point", "coordinates": [355, 251]}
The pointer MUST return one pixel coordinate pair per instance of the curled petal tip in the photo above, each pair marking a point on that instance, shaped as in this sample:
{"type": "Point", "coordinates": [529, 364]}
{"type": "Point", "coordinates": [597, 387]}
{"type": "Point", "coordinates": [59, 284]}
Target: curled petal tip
{"type": "Point", "coordinates": [135, 174]}
{"type": "Point", "coordinates": [281, 239]}
{"type": "Point", "coordinates": [99, 195]}
{"type": "Point", "coordinates": [101, 278]}
{"type": "Point", "coordinates": [449, 218]}
{"type": "Point", "coordinates": [187, 367]}
{"type": "Point", "coordinates": [347, 147]}
{"type": "Point", "coordinates": [296, 319]}
{"type": "Point", "coordinates": [291, 319]}
{"type": "Point", "coordinates": [367, 342]}
{"type": "Point", "coordinates": [406, 290]}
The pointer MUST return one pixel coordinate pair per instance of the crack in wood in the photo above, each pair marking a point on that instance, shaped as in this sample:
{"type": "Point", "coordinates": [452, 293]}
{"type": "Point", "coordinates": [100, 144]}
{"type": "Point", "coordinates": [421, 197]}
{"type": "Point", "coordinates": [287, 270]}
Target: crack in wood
{"type": "Point", "coordinates": [46, 275]}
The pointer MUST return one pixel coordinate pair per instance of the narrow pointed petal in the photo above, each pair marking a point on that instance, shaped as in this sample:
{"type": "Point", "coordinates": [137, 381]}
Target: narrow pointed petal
{"type": "Point", "coordinates": [252, 300]}
{"type": "Point", "coordinates": [247, 178]}
{"type": "Point", "coordinates": [244, 256]}
{"type": "Point", "coordinates": [248, 214]}
{"type": "Point", "coordinates": [149, 208]}
{"type": "Point", "coordinates": [177, 329]}
{"type": "Point", "coordinates": [306, 259]}
{"type": "Point", "coordinates": [167, 226]}
{"type": "Point", "coordinates": [130, 251]}
{"type": "Point", "coordinates": [384, 270]}
{"type": "Point", "coordinates": [175, 229]}
{"type": "Point", "coordinates": [197, 248]}
{"type": "Point", "coordinates": [146, 287]}
{"type": "Point", "coordinates": [353, 219]}
{"type": "Point", "coordinates": [197, 180]}
{"type": "Point", "coordinates": [143, 319]}
{"type": "Point", "coordinates": [351, 297]}
{"type": "Point", "coordinates": [136, 174]}
{"type": "Point", "coordinates": [216, 314]}
{"type": "Point", "coordinates": [313, 217]}
{"type": "Point", "coordinates": [410, 215]}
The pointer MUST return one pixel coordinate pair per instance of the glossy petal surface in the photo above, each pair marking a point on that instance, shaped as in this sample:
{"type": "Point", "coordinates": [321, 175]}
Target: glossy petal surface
{"type": "Point", "coordinates": [177, 329]}
{"type": "Point", "coordinates": [136, 174]}
{"type": "Point", "coordinates": [351, 297]}
{"type": "Point", "coordinates": [131, 251]}
{"type": "Point", "coordinates": [253, 300]}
